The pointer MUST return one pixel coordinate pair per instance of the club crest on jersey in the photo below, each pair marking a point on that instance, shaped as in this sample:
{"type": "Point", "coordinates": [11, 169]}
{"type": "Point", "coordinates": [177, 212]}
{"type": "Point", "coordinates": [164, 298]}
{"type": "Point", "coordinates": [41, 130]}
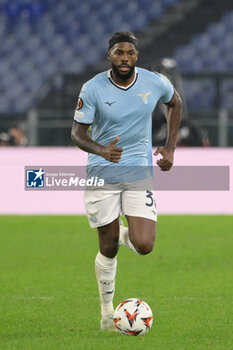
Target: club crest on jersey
{"type": "Point", "coordinates": [145, 97]}
{"type": "Point", "coordinates": [79, 103]}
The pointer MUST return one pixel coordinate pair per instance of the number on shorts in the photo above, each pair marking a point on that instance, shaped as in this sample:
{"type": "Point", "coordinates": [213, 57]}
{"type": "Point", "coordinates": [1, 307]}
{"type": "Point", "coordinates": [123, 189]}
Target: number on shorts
{"type": "Point", "coordinates": [151, 199]}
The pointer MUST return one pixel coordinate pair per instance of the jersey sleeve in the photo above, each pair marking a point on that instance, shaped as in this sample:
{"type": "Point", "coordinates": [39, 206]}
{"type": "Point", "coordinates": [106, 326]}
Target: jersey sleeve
{"type": "Point", "coordinates": [167, 89]}
{"type": "Point", "coordinates": [85, 109]}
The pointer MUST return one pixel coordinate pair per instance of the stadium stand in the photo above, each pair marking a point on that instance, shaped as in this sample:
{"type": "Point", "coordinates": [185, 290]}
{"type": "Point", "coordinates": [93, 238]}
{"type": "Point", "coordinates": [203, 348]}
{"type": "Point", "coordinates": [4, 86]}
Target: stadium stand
{"type": "Point", "coordinates": [209, 52]}
{"type": "Point", "coordinates": [50, 47]}
{"type": "Point", "coordinates": [46, 37]}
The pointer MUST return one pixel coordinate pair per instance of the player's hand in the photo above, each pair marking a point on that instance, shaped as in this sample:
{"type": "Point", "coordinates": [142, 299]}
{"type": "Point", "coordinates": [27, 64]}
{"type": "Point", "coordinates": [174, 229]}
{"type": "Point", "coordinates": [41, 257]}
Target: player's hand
{"type": "Point", "coordinates": [111, 152]}
{"type": "Point", "coordinates": [166, 162]}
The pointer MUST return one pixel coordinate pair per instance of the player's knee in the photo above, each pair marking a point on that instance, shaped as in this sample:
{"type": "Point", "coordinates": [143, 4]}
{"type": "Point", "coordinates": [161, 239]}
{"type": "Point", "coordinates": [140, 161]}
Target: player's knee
{"type": "Point", "coordinates": [145, 246]}
{"type": "Point", "coordinates": [144, 249]}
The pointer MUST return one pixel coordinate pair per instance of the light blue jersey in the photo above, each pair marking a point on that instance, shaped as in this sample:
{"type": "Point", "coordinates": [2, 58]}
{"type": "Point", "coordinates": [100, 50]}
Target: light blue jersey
{"type": "Point", "coordinates": [113, 110]}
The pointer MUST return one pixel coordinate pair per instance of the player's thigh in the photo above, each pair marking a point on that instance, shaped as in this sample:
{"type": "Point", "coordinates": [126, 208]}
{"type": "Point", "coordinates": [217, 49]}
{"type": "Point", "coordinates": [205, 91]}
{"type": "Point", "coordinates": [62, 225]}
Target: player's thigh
{"type": "Point", "coordinates": [139, 207]}
{"type": "Point", "coordinates": [142, 232]}
{"type": "Point", "coordinates": [102, 206]}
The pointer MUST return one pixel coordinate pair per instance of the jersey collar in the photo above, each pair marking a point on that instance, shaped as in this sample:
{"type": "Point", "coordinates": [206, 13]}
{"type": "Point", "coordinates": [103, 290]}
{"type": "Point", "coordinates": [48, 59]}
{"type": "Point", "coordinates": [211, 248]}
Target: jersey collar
{"type": "Point", "coordinates": [123, 87]}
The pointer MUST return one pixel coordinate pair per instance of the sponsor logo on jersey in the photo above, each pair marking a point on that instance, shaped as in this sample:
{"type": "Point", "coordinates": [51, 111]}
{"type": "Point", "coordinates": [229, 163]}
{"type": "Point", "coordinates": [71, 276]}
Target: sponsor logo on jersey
{"type": "Point", "coordinates": [110, 103]}
{"type": "Point", "coordinates": [145, 97]}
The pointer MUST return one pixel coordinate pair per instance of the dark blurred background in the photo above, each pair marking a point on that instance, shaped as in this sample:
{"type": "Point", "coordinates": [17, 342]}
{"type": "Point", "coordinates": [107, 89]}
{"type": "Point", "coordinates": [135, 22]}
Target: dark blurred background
{"type": "Point", "coordinates": [49, 48]}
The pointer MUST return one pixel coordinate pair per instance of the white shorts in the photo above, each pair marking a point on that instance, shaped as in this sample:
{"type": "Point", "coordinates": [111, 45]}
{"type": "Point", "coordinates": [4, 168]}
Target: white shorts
{"type": "Point", "coordinates": [104, 206]}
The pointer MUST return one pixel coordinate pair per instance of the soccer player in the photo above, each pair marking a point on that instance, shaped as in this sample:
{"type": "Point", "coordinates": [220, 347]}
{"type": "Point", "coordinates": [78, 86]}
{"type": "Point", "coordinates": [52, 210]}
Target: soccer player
{"type": "Point", "coordinates": [118, 105]}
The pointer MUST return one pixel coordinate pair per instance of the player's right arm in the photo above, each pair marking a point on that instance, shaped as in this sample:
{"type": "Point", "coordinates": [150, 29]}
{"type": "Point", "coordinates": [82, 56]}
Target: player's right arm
{"type": "Point", "coordinates": [81, 139]}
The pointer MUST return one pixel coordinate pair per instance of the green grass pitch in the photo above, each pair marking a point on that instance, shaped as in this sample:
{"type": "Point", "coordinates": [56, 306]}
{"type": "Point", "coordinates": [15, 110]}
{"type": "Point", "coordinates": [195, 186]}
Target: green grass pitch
{"type": "Point", "coordinates": [48, 292]}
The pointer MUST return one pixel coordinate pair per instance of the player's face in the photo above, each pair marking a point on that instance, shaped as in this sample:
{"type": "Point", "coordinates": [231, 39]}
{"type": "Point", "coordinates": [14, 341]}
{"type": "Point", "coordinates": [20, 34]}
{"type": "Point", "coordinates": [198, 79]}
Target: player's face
{"type": "Point", "coordinates": [123, 57]}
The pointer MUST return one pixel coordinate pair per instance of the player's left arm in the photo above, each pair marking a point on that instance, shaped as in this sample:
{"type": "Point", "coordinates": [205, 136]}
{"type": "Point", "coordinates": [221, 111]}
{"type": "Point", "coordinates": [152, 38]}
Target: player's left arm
{"type": "Point", "coordinates": [174, 112]}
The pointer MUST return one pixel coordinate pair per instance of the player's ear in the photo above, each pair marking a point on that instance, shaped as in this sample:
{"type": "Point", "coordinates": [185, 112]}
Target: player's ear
{"type": "Point", "coordinates": [109, 54]}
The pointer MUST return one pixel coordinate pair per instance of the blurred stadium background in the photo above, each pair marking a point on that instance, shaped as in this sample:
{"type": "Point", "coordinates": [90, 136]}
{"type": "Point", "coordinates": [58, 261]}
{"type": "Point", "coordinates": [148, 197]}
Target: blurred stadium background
{"type": "Point", "coordinates": [50, 47]}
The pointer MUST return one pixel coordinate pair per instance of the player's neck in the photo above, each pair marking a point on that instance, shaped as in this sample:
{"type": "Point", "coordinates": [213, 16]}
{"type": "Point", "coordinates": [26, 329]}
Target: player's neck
{"type": "Point", "coordinates": [122, 82]}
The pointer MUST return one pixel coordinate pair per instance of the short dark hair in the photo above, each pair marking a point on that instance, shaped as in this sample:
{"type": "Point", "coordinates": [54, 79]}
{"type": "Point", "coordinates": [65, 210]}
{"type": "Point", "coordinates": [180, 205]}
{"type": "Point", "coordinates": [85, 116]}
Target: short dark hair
{"type": "Point", "coordinates": [123, 36]}
{"type": "Point", "coordinates": [127, 34]}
